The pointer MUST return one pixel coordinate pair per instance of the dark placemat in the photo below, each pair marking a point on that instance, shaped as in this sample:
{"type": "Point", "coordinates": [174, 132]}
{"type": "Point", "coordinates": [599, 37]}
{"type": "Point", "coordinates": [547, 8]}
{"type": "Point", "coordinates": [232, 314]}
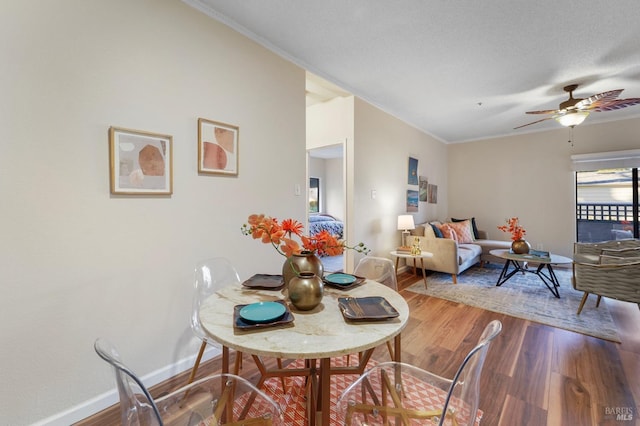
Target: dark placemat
{"type": "Point", "coordinates": [366, 308]}
{"type": "Point", "coordinates": [240, 323]}
{"type": "Point", "coordinates": [265, 282]}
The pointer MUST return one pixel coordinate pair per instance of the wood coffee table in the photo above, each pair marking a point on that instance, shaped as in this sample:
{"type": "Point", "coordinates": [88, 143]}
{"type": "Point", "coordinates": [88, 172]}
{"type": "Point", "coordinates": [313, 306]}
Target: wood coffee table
{"type": "Point", "coordinates": [519, 264]}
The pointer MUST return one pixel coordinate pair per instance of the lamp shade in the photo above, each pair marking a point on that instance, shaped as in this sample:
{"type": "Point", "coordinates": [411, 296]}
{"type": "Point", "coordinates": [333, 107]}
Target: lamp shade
{"type": "Point", "coordinates": [572, 118]}
{"type": "Point", "coordinates": [405, 222]}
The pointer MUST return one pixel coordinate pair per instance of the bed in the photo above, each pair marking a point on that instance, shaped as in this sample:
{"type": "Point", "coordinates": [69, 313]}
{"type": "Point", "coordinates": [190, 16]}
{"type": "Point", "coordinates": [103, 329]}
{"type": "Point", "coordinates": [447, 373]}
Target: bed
{"type": "Point", "coordinates": [325, 222]}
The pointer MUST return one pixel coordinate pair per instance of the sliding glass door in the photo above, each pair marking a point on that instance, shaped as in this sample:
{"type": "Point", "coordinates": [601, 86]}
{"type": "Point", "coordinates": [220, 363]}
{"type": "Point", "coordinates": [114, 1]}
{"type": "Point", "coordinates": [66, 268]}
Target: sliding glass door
{"type": "Point", "coordinates": [607, 204]}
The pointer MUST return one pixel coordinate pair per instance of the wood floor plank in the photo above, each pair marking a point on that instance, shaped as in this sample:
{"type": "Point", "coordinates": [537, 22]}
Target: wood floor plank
{"type": "Point", "coordinates": [631, 367]}
{"type": "Point", "coordinates": [569, 393]}
{"type": "Point", "coordinates": [533, 369]}
{"type": "Point", "coordinates": [518, 412]}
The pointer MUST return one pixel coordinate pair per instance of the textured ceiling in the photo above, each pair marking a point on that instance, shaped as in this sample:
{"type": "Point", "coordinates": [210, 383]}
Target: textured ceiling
{"type": "Point", "coordinates": [459, 70]}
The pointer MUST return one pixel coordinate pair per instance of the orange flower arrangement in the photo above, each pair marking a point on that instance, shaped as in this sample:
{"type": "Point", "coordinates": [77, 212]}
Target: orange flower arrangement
{"type": "Point", "coordinates": [513, 226]}
{"type": "Point", "coordinates": [280, 235]}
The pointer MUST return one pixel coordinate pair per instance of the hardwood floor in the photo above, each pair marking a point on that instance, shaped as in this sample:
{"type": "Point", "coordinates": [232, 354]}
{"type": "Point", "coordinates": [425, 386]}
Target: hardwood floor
{"type": "Point", "coordinates": [534, 375]}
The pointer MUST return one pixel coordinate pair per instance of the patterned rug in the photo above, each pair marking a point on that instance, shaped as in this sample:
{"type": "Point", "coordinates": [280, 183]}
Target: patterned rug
{"type": "Point", "coordinates": [524, 296]}
{"type": "Point", "coordinates": [294, 401]}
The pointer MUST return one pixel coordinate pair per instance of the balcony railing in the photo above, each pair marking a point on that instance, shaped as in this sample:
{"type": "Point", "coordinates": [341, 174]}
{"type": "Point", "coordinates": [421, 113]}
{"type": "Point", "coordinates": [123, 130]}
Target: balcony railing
{"type": "Point", "coordinates": [604, 221]}
{"type": "Point", "coordinates": [605, 212]}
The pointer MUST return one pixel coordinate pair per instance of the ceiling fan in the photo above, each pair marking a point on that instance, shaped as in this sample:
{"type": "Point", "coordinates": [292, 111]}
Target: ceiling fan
{"type": "Point", "coordinates": [573, 111]}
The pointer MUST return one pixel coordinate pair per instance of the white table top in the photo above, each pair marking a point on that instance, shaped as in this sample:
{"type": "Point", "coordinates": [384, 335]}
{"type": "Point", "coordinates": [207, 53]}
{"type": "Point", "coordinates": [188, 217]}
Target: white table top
{"type": "Point", "coordinates": [505, 254]}
{"type": "Point", "coordinates": [319, 333]}
{"type": "Point", "coordinates": [424, 254]}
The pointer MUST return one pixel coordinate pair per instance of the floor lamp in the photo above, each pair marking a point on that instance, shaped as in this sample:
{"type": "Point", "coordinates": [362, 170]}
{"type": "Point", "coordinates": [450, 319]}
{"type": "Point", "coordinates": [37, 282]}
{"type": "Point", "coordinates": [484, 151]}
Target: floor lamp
{"type": "Point", "coordinates": [405, 222]}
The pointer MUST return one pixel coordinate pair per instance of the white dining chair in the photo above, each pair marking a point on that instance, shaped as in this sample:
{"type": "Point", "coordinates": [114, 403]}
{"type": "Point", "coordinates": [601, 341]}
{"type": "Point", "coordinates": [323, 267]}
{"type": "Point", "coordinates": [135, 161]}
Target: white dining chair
{"type": "Point", "coordinates": [398, 393]}
{"type": "Point", "coordinates": [382, 270]}
{"type": "Point", "coordinates": [221, 399]}
{"type": "Point", "coordinates": [210, 276]}
{"type": "Point", "coordinates": [378, 269]}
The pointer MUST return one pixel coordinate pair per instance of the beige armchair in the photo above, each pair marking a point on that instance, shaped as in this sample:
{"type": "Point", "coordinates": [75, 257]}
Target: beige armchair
{"type": "Point", "coordinates": [609, 269]}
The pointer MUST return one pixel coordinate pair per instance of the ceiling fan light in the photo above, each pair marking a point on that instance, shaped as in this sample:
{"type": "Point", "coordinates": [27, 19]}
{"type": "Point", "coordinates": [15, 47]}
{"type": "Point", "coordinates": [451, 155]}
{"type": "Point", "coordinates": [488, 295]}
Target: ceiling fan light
{"type": "Point", "coordinates": [572, 118]}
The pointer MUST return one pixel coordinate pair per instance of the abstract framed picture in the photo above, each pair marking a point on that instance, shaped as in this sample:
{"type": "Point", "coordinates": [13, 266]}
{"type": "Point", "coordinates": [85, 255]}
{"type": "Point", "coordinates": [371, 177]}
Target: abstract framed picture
{"type": "Point", "coordinates": [140, 162]}
{"type": "Point", "coordinates": [413, 171]}
{"type": "Point", "coordinates": [217, 147]}
{"type": "Point", "coordinates": [422, 188]}
{"type": "Point", "coordinates": [412, 200]}
{"type": "Point", "coordinates": [432, 193]}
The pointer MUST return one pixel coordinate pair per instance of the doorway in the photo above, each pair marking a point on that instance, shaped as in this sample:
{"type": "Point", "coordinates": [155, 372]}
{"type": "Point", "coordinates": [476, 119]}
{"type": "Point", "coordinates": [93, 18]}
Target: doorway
{"type": "Point", "coordinates": [326, 186]}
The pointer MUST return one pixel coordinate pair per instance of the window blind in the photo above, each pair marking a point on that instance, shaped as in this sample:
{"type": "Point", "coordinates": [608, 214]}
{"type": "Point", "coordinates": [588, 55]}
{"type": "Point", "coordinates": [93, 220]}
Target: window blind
{"type": "Point", "coordinates": [606, 160]}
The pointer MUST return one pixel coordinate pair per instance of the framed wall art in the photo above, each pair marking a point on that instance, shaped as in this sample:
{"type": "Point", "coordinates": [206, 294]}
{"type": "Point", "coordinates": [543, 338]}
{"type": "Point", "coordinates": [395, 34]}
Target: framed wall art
{"type": "Point", "coordinates": [432, 193]}
{"type": "Point", "coordinates": [412, 200]}
{"type": "Point", "coordinates": [422, 188]}
{"type": "Point", "coordinates": [413, 171]}
{"type": "Point", "coordinates": [140, 162]}
{"type": "Point", "coordinates": [217, 147]}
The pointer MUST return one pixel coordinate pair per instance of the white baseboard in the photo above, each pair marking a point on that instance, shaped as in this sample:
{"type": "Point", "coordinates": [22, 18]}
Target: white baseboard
{"type": "Point", "coordinates": [107, 399]}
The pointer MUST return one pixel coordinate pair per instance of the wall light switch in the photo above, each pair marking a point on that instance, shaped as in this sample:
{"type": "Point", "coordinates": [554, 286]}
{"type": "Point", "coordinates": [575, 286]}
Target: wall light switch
{"type": "Point", "coordinates": [296, 189]}
{"type": "Point", "coordinates": [373, 194]}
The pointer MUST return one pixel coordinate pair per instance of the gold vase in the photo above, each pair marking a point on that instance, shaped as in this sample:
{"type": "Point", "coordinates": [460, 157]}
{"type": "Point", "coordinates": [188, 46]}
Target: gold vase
{"type": "Point", "coordinates": [305, 291]}
{"type": "Point", "coordinates": [520, 247]}
{"type": "Point", "coordinates": [305, 261]}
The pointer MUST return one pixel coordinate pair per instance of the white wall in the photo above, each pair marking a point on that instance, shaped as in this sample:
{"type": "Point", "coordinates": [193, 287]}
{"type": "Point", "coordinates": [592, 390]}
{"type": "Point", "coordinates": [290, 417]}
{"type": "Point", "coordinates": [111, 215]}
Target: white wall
{"type": "Point", "coordinates": [382, 147]}
{"type": "Point", "coordinates": [334, 183]}
{"type": "Point", "coordinates": [330, 172]}
{"type": "Point", "coordinates": [330, 123]}
{"type": "Point", "coordinates": [78, 263]}
{"type": "Point", "coordinates": [317, 170]}
{"type": "Point", "coordinates": [529, 176]}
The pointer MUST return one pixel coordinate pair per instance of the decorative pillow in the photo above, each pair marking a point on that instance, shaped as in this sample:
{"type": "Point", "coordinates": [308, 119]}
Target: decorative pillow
{"type": "Point", "coordinates": [463, 230]}
{"type": "Point", "coordinates": [428, 233]}
{"type": "Point", "coordinates": [418, 231]}
{"type": "Point", "coordinates": [436, 231]}
{"type": "Point", "coordinates": [476, 235]}
{"type": "Point", "coordinates": [448, 232]}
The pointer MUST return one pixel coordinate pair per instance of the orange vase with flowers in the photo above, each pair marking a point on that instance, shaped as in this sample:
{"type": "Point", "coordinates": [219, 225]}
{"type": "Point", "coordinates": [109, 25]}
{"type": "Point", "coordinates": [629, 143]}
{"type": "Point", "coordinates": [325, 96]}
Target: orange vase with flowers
{"type": "Point", "coordinates": [302, 255]}
{"type": "Point", "coordinates": [519, 245]}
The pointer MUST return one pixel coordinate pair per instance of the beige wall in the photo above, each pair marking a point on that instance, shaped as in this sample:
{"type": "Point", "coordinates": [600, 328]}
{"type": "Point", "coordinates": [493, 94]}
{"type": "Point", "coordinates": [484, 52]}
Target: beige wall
{"type": "Point", "coordinates": [382, 147]}
{"type": "Point", "coordinates": [329, 123]}
{"type": "Point", "coordinates": [529, 176]}
{"type": "Point", "coordinates": [78, 263]}
{"type": "Point", "coordinates": [335, 187]}
{"type": "Point", "coordinates": [330, 171]}
{"type": "Point", "coordinates": [377, 150]}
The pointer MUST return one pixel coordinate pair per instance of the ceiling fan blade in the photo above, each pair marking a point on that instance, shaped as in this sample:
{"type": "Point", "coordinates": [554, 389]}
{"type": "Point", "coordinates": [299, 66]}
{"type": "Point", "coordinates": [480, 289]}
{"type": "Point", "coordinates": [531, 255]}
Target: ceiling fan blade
{"type": "Point", "coordinates": [545, 111]}
{"type": "Point", "coordinates": [616, 104]}
{"type": "Point", "coordinates": [594, 101]}
{"type": "Point", "coordinates": [534, 122]}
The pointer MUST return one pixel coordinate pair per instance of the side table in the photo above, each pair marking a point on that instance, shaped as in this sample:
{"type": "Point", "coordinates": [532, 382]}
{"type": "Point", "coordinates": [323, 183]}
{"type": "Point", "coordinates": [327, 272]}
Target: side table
{"type": "Point", "coordinates": [421, 256]}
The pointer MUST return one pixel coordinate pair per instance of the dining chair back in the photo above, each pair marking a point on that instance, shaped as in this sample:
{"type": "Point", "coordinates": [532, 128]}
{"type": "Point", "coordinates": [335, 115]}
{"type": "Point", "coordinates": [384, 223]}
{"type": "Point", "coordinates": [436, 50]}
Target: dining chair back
{"type": "Point", "coordinates": [221, 399]}
{"type": "Point", "coordinates": [210, 276]}
{"type": "Point", "coordinates": [413, 395]}
{"type": "Point", "coordinates": [137, 407]}
{"type": "Point", "coordinates": [381, 270]}
{"type": "Point", "coordinates": [378, 269]}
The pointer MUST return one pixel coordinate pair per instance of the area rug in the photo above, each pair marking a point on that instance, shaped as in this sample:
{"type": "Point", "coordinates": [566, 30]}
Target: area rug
{"type": "Point", "coordinates": [294, 401]}
{"type": "Point", "coordinates": [524, 296]}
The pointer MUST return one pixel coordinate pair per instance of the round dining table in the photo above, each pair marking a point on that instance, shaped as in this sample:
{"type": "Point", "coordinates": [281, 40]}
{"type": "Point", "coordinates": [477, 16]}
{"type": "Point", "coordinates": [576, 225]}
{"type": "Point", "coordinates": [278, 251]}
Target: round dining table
{"type": "Point", "coordinates": [318, 334]}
